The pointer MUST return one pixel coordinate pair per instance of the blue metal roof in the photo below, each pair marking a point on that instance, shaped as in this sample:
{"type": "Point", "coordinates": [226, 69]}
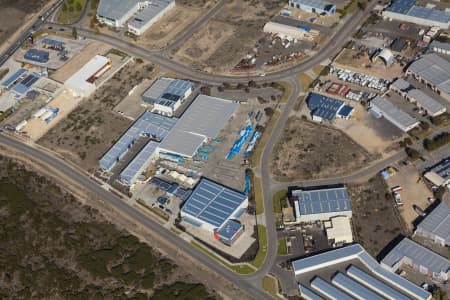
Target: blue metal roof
{"type": "Point", "coordinates": [429, 14]}
{"type": "Point", "coordinates": [401, 6]}
{"type": "Point", "coordinates": [322, 200]}
{"type": "Point", "coordinates": [375, 284]}
{"type": "Point", "coordinates": [134, 168]}
{"type": "Point", "coordinates": [229, 229]}
{"type": "Point", "coordinates": [150, 124]}
{"type": "Point", "coordinates": [345, 111]}
{"type": "Point", "coordinates": [37, 55]}
{"type": "Point", "coordinates": [22, 87]}
{"type": "Point", "coordinates": [329, 290]}
{"type": "Point", "coordinates": [308, 294]}
{"type": "Point", "coordinates": [13, 78]}
{"type": "Point", "coordinates": [183, 194]}
{"type": "Point", "coordinates": [174, 92]}
{"type": "Point", "coordinates": [212, 202]}
{"type": "Point", "coordinates": [354, 288]}
{"type": "Point", "coordinates": [52, 42]}
{"type": "Point", "coordinates": [164, 185]}
{"type": "Point", "coordinates": [323, 106]}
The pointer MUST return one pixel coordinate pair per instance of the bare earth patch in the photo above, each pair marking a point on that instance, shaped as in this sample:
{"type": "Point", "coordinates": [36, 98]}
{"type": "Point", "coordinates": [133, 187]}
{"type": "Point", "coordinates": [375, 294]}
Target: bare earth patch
{"type": "Point", "coordinates": [308, 150]}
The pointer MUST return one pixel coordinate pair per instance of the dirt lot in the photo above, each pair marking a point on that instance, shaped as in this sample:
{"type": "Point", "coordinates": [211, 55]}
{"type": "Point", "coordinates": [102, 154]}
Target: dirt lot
{"type": "Point", "coordinates": [308, 150]}
{"type": "Point", "coordinates": [375, 220]}
{"type": "Point", "coordinates": [413, 193]}
{"type": "Point", "coordinates": [14, 13]}
{"type": "Point", "coordinates": [93, 127]}
{"type": "Point", "coordinates": [348, 59]}
{"type": "Point", "coordinates": [229, 35]}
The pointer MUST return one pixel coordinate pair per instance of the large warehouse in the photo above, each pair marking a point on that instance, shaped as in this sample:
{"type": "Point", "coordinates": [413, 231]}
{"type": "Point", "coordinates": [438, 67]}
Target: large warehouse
{"type": "Point", "coordinates": [408, 11]}
{"type": "Point", "coordinates": [141, 14]}
{"type": "Point", "coordinates": [314, 6]}
{"type": "Point", "coordinates": [290, 31]}
{"type": "Point", "coordinates": [211, 206]}
{"type": "Point", "coordinates": [150, 14]}
{"type": "Point", "coordinates": [421, 259]}
{"type": "Point", "coordinates": [153, 125]}
{"type": "Point", "coordinates": [203, 120]}
{"type": "Point", "coordinates": [139, 164]}
{"type": "Point", "coordinates": [436, 225]}
{"type": "Point", "coordinates": [393, 114]}
{"type": "Point", "coordinates": [167, 94]}
{"type": "Point", "coordinates": [82, 83]}
{"type": "Point", "coordinates": [320, 204]}
{"type": "Point", "coordinates": [434, 71]}
{"type": "Point", "coordinates": [351, 273]}
{"type": "Point", "coordinates": [422, 100]}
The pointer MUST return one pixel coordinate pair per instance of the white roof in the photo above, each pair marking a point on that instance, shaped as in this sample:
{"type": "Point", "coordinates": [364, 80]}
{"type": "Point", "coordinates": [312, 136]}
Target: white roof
{"type": "Point", "coordinates": [202, 120]}
{"type": "Point", "coordinates": [116, 9]}
{"type": "Point", "coordinates": [340, 229]}
{"type": "Point", "coordinates": [79, 79]}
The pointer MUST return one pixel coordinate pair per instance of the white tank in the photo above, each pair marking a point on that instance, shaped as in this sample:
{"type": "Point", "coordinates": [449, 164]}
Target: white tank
{"type": "Point", "coordinates": [39, 113]}
{"type": "Point", "coordinates": [21, 125]}
{"type": "Point", "coordinates": [48, 114]}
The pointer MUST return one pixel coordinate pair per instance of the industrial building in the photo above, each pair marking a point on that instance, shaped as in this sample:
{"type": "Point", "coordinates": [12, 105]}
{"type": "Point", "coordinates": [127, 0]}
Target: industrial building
{"type": "Point", "coordinates": [82, 83]}
{"type": "Point", "coordinates": [167, 94]}
{"type": "Point", "coordinates": [436, 225]}
{"type": "Point", "coordinates": [434, 71]}
{"type": "Point", "coordinates": [339, 230]}
{"type": "Point", "coordinates": [299, 33]}
{"type": "Point", "coordinates": [148, 124]}
{"type": "Point", "coordinates": [320, 204]}
{"type": "Point", "coordinates": [171, 188]}
{"type": "Point", "coordinates": [385, 55]}
{"type": "Point", "coordinates": [422, 100]}
{"type": "Point", "coordinates": [203, 120]}
{"type": "Point", "coordinates": [152, 12]}
{"type": "Point", "coordinates": [52, 44]}
{"type": "Point", "coordinates": [20, 82]}
{"type": "Point", "coordinates": [439, 174]}
{"type": "Point", "coordinates": [142, 14]}
{"type": "Point", "coordinates": [351, 273]}
{"type": "Point", "coordinates": [440, 47]}
{"type": "Point", "coordinates": [383, 108]}
{"type": "Point", "coordinates": [139, 164]}
{"type": "Point", "coordinates": [421, 259]}
{"type": "Point", "coordinates": [408, 11]}
{"type": "Point", "coordinates": [211, 206]}
{"type": "Point", "coordinates": [37, 55]}
{"type": "Point", "coordinates": [326, 108]}
{"type": "Point", "coordinates": [314, 6]}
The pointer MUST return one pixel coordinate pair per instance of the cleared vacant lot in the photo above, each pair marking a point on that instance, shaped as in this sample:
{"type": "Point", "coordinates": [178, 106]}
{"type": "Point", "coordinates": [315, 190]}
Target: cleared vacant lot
{"type": "Point", "coordinates": [93, 127]}
{"type": "Point", "coordinates": [229, 35]}
{"type": "Point", "coordinates": [307, 150]}
{"type": "Point", "coordinates": [375, 220]}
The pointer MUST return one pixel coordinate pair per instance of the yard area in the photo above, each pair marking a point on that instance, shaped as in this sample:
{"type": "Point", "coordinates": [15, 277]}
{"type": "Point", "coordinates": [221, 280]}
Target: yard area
{"type": "Point", "coordinates": [376, 221]}
{"type": "Point", "coordinates": [307, 150]}
{"type": "Point", "coordinates": [93, 127]}
{"type": "Point", "coordinates": [228, 36]}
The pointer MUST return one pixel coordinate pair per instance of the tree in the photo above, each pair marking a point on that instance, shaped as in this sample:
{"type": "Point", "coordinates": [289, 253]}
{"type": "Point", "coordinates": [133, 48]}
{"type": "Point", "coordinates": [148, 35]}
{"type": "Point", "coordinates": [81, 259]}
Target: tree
{"type": "Point", "coordinates": [64, 7]}
{"type": "Point", "coordinates": [74, 33]}
{"type": "Point", "coordinates": [78, 6]}
{"type": "Point", "coordinates": [362, 5]}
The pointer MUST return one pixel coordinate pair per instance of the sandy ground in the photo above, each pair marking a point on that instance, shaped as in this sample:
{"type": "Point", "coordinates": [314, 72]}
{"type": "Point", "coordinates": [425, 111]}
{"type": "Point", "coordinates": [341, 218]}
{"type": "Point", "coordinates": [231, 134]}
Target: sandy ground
{"type": "Point", "coordinates": [347, 60]}
{"type": "Point", "coordinates": [133, 106]}
{"type": "Point", "coordinates": [79, 60]}
{"type": "Point", "coordinates": [413, 193]}
{"type": "Point", "coordinates": [309, 150]}
{"type": "Point", "coordinates": [164, 31]}
{"type": "Point", "coordinates": [360, 128]}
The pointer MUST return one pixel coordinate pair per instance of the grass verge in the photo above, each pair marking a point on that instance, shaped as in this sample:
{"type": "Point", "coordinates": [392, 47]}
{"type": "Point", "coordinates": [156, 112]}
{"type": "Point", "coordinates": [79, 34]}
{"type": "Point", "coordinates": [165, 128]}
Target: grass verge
{"type": "Point", "coordinates": [257, 185]}
{"type": "Point", "coordinates": [287, 91]}
{"type": "Point", "coordinates": [257, 152]}
{"type": "Point", "coordinates": [278, 199]}
{"type": "Point", "coordinates": [71, 11]}
{"type": "Point", "coordinates": [240, 269]}
{"type": "Point", "coordinates": [270, 285]}
{"type": "Point", "coordinates": [262, 250]}
{"type": "Point", "coordinates": [305, 80]}
{"type": "Point", "coordinates": [282, 247]}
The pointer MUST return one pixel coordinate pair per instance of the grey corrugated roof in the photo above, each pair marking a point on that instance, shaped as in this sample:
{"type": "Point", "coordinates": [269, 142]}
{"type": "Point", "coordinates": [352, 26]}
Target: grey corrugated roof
{"type": "Point", "coordinates": [329, 290]}
{"type": "Point", "coordinates": [438, 222]}
{"type": "Point", "coordinates": [440, 45]}
{"type": "Point", "coordinates": [156, 89]}
{"type": "Point", "coordinates": [202, 120]}
{"type": "Point", "coordinates": [149, 12]}
{"type": "Point", "coordinates": [354, 288]}
{"type": "Point", "coordinates": [418, 255]}
{"type": "Point", "coordinates": [322, 200]}
{"type": "Point", "coordinates": [132, 171]}
{"type": "Point", "coordinates": [115, 9]}
{"type": "Point", "coordinates": [431, 105]}
{"type": "Point", "coordinates": [392, 113]}
{"type": "Point", "coordinates": [400, 84]}
{"type": "Point", "coordinates": [308, 294]}
{"type": "Point", "coordinates": [434, 69]}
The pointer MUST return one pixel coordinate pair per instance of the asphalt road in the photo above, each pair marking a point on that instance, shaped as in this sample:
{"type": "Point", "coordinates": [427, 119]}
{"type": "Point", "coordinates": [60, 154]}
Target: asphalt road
{"type": "Point", "coordinates": [37, 24]}
{"type": "Point", "coordinates": [111, 199]}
